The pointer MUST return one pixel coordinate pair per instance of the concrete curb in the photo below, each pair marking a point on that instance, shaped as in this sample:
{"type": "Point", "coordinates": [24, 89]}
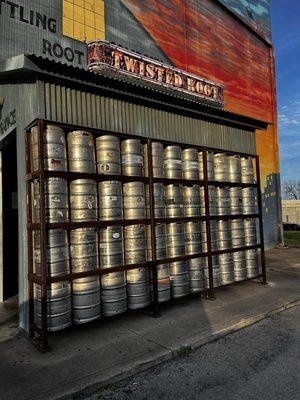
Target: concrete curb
{"type": "Point", "coordinates": [121, 373]}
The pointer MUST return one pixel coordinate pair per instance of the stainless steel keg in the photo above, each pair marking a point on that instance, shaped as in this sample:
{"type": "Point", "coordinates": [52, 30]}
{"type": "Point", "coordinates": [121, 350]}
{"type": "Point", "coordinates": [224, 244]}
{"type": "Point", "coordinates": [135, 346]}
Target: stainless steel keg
{"type": "Point", "coordinates": [191, 201]}
{"type": "Point", "coordinates": [84, 249]}
{"type": "Point", "coordinates": [81, 152]}
{"type": "Point", "coordinates": [224, 234]}
{"type": "Point", "coordinates": [57, 252]}
{"type": "Point", "coordinates": [210, 166]}
{"type": "Point", "coordinates": [190, 163]}
{"type": "Point", "coordinates": [175, 239]}
{"type": "Point", "coordinates": [134, 200]}
{"type": "Point", "coordinates": [252, 263]}
{"type": "Point", "coordinates": [113, 285]}
{"type": "Point", "coordinates": [157, 159]}
{"type": "Point", "coordinates": [237, 233]}
{"type": "Point", "coordinates": [221, 167]}
{"type": "Point", "coordinates": [160, 242]}
{"type": "Point", "coordinates": [249, 201]}
{"type": "Point", "coordinates": [239, 264]}
{"type": "Point", "coordinates": [234, 170]}
{"type": "Point", "coordinates": [86, 300]}
{"type": "Point", "coordinates": [222, 201]}
{"type": "Point", "coordinates": [132, 157]}
{"type": "Point", "coordinates": [86, 291]}
{"type": "Point", "coordinates": [108, 155]}
{"type": "Point", "coordinates": [114, 301]}
{"type": "Point", "coordinates": [226, 268]}
{"type": "Point", "coordinates": [55, 149]}
{"type": "Point", "coordinates": [159, 200]}
{"type": "Point", "coordinates": [56, 200]}
{"type": "Point", "coordinates": [247, 170]}
{"type": "Point", "coordinates": [138, 289]}
{"type": "Point", "coordinates": [173, 162]}
{"type": "Point", "coordinates": [196, 275]}
{"type": "Point", "coordinates": [236, 201]}
{"type": "Point", "coordinates": [135, 244]}
{"type": "Point", "coordinates": [216, 272]}
{"type": "Point", "coordinates": [111, 247]}
{"type": "Point", "coordinates": [174, 201]}
{"type": "Point", "coordinates": [211, 200]}
{"type": "Point", "coordinates": [110, 197]}
{"type": "Point", "coordinates": [192, 237]}
{"type": "Point", "coordinates": [250, 232]}
{"type": "Point", "coordinates": [58, 306]}
{"type": "Point", "coordinates": [179, 277]}
{"type": "Point", "coordinates": [83, 200]}
{"type": "Point", "coordinates": [213, 235]}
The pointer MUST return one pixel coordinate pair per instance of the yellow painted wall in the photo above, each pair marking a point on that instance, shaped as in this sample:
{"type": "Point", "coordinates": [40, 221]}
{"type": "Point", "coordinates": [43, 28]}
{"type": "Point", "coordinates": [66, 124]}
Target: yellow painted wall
{"type": "Point", "coordinates": [84, 19]}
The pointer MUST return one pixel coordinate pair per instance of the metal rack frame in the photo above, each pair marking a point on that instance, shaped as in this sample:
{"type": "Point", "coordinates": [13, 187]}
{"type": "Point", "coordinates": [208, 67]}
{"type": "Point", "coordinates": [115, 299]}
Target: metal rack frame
{"type": "Point", "coordinates": [39, 336]}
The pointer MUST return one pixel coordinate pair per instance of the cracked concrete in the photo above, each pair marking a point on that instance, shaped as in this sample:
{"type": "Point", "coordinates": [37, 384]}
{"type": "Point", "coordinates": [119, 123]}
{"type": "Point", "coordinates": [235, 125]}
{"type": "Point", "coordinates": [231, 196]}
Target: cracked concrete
{"type": "Point", "coordinates": [87, 357]}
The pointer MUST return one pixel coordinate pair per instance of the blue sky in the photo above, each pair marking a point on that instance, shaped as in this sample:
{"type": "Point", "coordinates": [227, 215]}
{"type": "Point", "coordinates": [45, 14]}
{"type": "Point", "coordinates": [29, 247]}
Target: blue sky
{"type": "Point", "coordinates": [285, 17]}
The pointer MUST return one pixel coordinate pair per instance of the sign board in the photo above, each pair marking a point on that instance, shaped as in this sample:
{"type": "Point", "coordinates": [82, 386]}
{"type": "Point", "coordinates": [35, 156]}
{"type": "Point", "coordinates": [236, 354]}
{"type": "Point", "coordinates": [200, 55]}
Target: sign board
{"type": "Point", "coordinates": [103, 55]}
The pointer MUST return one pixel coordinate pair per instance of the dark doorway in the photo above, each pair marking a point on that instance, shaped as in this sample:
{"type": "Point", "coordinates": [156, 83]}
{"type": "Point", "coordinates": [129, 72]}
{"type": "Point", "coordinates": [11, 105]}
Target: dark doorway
{"type": "Point", "coordinates": [10, 218]}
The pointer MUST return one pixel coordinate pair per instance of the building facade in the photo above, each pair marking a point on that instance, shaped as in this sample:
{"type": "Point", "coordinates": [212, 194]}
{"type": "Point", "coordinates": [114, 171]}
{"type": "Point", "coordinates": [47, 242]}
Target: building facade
{"type": "Point", "coordinates": [220, 40]}
{"type": "Point", "coordinates": [291, 211]}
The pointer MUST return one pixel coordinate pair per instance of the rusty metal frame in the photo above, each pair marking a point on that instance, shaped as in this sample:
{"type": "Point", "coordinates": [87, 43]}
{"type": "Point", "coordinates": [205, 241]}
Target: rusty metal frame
{"type": "Point", "coordinates": [39, 336]}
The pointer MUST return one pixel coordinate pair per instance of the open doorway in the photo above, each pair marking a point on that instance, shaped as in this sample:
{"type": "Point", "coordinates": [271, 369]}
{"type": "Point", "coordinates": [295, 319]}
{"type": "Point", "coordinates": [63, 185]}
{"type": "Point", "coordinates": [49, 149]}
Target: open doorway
{"type": "Point", "coordinates": [10, 218]}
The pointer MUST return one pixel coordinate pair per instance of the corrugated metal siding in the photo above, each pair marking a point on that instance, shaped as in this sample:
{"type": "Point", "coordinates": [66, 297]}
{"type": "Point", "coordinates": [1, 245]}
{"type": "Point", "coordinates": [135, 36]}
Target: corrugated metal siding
{"type": "Point", "coordinates": [71, 106]}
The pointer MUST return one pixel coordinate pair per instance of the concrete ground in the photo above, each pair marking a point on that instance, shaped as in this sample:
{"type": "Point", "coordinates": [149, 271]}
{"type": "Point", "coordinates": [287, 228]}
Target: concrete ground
{"type": "Point", "coordinates": [259, 362]}
{"type": "Point", "coordinates": [9, 319]}
{"type": "Point", "coordinates": [85, 358]}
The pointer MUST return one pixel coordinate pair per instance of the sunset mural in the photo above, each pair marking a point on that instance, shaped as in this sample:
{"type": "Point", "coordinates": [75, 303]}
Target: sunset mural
{"type": "Point", "coordinates": [199, 37]}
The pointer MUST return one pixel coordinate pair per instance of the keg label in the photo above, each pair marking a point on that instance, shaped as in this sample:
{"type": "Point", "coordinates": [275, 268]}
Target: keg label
{"type": "Point", "coordinates": [116, 235]}
{"type": "Point", "coordinates": [131, 159]}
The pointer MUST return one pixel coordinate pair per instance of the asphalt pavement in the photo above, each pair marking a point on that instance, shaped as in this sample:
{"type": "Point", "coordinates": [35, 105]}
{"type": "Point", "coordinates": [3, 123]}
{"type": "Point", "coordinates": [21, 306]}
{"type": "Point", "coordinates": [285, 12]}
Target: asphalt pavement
{"type": "Point", "coordinates": [260, 362]}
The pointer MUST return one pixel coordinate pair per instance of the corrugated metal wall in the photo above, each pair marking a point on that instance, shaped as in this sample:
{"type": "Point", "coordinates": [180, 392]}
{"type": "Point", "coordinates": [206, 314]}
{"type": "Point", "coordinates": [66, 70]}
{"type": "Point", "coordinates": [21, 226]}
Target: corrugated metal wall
{"type": "Point", "coordinates": [71, 106]}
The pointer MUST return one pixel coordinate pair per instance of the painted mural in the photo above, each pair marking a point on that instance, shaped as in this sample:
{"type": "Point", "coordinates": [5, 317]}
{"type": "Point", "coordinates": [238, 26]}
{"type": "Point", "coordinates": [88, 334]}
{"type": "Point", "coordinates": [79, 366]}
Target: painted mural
{"type": "Point", "coordinates": [200, 37]}
{"type": "Point", "coordinates": [255, 12]}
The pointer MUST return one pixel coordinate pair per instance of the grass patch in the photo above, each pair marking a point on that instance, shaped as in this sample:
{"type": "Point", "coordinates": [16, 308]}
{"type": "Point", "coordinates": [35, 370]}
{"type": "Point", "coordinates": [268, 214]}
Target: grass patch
{"type": "Point", "coordinates": [184, 351]}
{"type": "Point", "coordinates": [292, 238]}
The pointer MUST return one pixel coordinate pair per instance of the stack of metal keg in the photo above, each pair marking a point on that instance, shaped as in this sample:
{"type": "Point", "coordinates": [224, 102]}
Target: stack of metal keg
{"type": "Point", "coordinates": [191, 201]}
{"type": "Point", "coordinates": [113, 284]}
{"type": "Point", "coordinates": [234, 169]}
{"type": "Point", "coordinates": [86, 291]}
{"type": "Point", "coordinates": [223, 201]}
{"type": "Point", "coordinates": [137, 279]}
{"type": "Point", "coordinates": [58, 294]}
{"type": "Point", "coordinates": [132, 157]}
{"type": "Point", "coordinates": [157, 160]}
{"type": "Point", "coordinates": [252, 263]}
{"type": "Point", "coordinates": [83, 192]}
{"type": "Point", "coordinates": [190, 164]}
{"type": "Point", "coordinates": [108, 155]}
{"type": "Point", "coordinates": [196, 265]}
{"type": "Point", "coordinates": [179, 269]}
{"type": "Point", "coordinates": [163, 270]}
{"type": "Point", "coordinates": [55, 150]}
{"type": "Point", "coordinates": [226, 268]}
{"type": "Point", "coordinates": [56, 210]}
{"type": "Point", "coordinates": [173, 162]}
{"type": "Point", "coordinates": [221, 165]}
{"type": "Point", "coordinates": [174, 201]}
